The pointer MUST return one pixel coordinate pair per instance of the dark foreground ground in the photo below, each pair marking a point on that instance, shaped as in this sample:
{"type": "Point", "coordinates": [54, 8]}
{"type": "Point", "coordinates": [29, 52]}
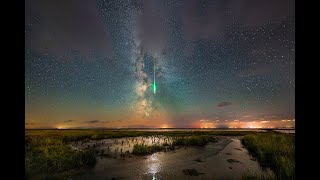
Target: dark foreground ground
{"type": "Point", "coordinates": [109, 154]}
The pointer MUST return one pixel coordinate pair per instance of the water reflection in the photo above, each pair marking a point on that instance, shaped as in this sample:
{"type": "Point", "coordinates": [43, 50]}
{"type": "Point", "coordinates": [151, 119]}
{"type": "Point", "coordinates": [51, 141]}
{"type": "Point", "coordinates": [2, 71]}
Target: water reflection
{"type": "Point", "coordinates": [116, 147]}
{"type": "Point", "coordinates": [153, 164]}
{"type": "Point", "coordinates": [214, 162]}
{"type": "Point", "coordinates": [153, 168]}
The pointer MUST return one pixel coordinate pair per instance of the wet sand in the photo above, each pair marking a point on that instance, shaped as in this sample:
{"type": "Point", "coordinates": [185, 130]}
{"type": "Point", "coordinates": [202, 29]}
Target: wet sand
{"type": "Point", "coordinates": [225, 159]}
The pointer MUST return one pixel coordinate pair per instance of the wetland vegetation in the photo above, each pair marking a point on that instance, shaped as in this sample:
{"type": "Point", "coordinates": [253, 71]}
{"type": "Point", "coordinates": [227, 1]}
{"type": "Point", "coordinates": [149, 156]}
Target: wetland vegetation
{"type": "Point", "coordinates": [274, 150]}
{"type": "Point", "coordinates": [49, 151]}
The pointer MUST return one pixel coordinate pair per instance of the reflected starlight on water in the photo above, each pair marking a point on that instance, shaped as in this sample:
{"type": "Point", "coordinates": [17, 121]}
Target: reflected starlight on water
{"type": "Point", "coordinates": [153, 165]}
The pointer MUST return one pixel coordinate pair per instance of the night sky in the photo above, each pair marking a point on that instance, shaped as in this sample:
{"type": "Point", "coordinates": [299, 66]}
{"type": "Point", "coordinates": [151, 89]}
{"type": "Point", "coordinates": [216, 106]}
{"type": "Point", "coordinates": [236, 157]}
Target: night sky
{"type": "Point", "coordinates": [215, 64]}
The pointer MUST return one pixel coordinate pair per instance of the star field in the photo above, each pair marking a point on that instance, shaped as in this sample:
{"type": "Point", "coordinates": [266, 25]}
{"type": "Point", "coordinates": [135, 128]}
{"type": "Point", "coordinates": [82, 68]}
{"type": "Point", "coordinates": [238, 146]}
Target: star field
{"type": "Point", "coordinates": [216, 63]}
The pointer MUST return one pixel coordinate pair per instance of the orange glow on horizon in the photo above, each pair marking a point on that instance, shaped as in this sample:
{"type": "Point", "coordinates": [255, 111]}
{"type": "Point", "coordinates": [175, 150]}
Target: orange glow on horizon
{"type": "Point", "coordinates": [164, 126]}
{"type": "Point", "coordinates": [161, 122]}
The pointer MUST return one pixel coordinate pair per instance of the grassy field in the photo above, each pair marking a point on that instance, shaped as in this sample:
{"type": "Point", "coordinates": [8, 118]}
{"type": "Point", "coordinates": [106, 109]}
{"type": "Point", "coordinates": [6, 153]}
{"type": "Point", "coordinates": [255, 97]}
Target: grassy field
{"type": "Point", "coordinates": [274, 150]}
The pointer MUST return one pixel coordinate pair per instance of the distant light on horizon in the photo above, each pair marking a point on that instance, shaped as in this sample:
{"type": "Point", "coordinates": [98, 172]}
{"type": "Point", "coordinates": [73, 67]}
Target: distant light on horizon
{"type": "Point", "coordinates": [201, 123]}
{"type": "Point", "coordinates": [164, 126]}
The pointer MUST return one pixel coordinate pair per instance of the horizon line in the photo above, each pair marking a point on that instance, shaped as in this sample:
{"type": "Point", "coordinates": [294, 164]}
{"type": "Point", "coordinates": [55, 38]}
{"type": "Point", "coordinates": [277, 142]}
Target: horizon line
{"type": "Point", "coordinates": [280, 128]}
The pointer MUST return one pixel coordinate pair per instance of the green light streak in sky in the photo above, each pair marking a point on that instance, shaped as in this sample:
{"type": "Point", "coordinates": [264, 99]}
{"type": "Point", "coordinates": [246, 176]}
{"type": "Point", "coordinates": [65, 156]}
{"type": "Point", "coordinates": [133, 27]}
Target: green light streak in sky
{"type": "Point", "coordinates": [154, 87]}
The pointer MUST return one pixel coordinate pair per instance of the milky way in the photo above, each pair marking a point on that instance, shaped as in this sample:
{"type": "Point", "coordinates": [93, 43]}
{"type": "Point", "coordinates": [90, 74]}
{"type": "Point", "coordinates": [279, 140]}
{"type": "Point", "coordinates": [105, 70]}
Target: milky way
{"type": "Point", "coordinates": [215, 63]}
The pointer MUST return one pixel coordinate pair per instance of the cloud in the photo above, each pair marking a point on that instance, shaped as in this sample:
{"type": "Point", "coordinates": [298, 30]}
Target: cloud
{"type": "Point", "coordinates": [112, 121]}
{"type": "Point", "coordinates": [92, 121]}
{"type": "Point", "coordinates": [68, 121]}
{"type": "Point", "coordinates": [223, 104]}
{"type": "Point", "coordinates": [106, 122]}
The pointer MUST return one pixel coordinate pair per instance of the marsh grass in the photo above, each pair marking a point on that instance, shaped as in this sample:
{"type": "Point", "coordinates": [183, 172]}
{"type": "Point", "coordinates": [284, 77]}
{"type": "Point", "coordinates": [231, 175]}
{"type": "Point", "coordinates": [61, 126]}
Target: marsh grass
{"type": "Point", "coordinates": [193, 141]}
{"type": "Point", "coordinates": [51, 154]}
{"type": "Point", "coordinates": [165, 144]}
{"type": "Point", "coordinates": [254, 176]}
{"type": "Point", "coordinates": [141, 149]}
{"type": "Point", "coordinates": [83, 135]}
{"type": "Point", "coordinates": [274, 150]}
{"type": "Point", "coordinates": [47, 151]}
